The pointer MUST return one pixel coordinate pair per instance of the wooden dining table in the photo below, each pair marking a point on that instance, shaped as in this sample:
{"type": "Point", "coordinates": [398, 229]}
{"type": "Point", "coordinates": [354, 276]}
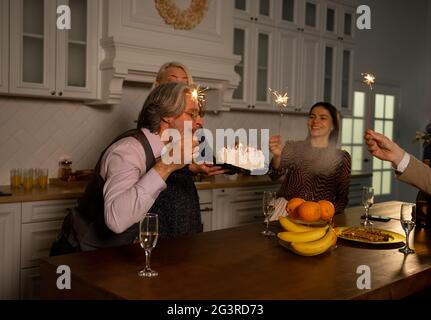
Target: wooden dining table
{"type": "Point", "coordinates": [241, 264]}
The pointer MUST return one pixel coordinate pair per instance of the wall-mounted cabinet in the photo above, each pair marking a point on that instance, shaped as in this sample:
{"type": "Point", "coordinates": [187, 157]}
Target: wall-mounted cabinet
{"type": "Point", "coordinates": [262, 11]}
{"type": "Point", "coordinates": [312, 55]}
{"type": "Point", "coordinates": [338, 21]}
{"type": "Point", "coordinates": [254, 42]}
{"type": "Point", "coordinates": [299, 56]}
{"type": "Point", "coordinates": [4, 45]}
{"type": "Point", "coordinates": [300, 15]}
{"type": "Point", "coordinates": [338, 74]}
{"type": "Point", "coordinates": [52, 62]}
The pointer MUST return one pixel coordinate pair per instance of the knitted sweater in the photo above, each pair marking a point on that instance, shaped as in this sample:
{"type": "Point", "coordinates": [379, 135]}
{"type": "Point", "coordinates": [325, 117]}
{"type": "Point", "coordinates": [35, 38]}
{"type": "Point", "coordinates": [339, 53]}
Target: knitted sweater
{"type": "Point", "coordinates": [314, 173]}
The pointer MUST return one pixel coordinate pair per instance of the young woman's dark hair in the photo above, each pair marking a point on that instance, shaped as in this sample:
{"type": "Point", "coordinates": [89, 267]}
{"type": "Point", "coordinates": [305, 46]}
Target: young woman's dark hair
{"type": "Point", "coordinates": [333, 136]}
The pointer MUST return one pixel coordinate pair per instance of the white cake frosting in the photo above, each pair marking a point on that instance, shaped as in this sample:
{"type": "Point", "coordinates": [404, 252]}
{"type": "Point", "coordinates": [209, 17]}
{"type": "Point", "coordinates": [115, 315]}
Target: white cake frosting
{"type": "Point", "coordinates": [245, 157]}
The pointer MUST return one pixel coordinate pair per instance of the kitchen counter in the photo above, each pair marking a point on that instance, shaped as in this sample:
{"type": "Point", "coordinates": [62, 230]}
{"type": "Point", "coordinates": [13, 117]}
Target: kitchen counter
{"type": "Point", "coordinates": [76, 190]}
{"type": "Point", "coordinates": [238, 263]}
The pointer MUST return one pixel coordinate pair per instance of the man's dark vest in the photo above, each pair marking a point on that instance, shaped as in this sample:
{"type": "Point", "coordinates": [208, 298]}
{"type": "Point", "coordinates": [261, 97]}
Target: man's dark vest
{"type": "Point", "coordinates": [177, 206]}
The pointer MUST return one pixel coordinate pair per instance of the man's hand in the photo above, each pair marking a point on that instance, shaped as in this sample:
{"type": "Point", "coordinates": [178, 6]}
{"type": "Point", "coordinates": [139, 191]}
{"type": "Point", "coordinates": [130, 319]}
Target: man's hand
{"type": "Point", "coordinates": [383, 148]}
{"type": "Point", "coordinates": [206, 169]}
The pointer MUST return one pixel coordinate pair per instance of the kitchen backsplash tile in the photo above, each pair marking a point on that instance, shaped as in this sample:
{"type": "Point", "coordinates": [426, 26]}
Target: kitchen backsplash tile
{"type": "Point", "coordinates": [37, 132]}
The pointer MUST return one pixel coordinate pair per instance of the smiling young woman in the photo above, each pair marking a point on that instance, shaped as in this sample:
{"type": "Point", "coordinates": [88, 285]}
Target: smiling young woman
{"type": "Point", "coordinates": [314, 169]}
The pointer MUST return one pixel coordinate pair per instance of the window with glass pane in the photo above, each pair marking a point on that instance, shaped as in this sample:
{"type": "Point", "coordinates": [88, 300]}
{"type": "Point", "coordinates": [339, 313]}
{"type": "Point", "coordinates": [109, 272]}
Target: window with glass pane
{"type": "Point", "coordinates": [345, 81]}
{"type": "Point", "coordinates": [288, 10]}
{"type": "Point", "coordinates": [240, 4]}
{"type": "Point", "coordinates": [348, 24]}
{"type": "Point", "coordinates": [77, 53]}
{"type": "Point", "coordinates": [33, 41]}
{"type": "Point", "coordinates": [330, 20]}
{"type": "Point", "coordinates": [310, 14]}
{"type": "Point", "coordinates": [353, 130]}
{"type": "Point", "coordinates": [264, 7]}
{"type": "Point", "coordinates": [238, 48]}
{"type": "Point", "coordinates": [384, 110]}
{"type": "Point", "coordinates": [262, 67]}
{"type": "Point", "coordinates": [329, 57]}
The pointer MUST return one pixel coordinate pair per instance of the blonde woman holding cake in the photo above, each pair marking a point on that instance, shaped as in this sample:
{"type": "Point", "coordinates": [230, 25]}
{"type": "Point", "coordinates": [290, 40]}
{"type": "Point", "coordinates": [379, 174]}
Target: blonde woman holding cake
{"type": "Point", "coordinates": [313, 169]}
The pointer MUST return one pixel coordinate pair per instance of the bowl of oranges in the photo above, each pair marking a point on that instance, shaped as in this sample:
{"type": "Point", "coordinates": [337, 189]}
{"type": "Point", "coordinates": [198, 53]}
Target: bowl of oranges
{"type": "Point", "coordinates": [310, 212]}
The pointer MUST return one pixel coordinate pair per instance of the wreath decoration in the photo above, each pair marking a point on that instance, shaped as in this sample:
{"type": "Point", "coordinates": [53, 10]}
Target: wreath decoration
{"type": "Point", "coordinates": [182, 19]}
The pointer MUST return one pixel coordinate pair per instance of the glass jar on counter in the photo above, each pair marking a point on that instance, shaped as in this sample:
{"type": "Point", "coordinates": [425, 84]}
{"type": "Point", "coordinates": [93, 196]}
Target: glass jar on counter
{"type": "Point", "coordinates": [64, 169]}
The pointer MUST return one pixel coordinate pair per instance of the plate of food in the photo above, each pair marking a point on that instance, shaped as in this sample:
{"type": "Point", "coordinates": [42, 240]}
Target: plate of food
{"type": "Point", "coordinates": [369, 235]}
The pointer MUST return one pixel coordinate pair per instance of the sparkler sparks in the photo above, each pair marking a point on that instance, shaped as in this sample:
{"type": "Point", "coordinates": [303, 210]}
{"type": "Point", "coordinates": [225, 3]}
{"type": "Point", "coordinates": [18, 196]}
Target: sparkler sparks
{"type": "Point", "coordinates": [198, 94]}
{"type": "Point", "coordinates": [279, 99]}
{"type": "Point", "coordinates": [369, 79]}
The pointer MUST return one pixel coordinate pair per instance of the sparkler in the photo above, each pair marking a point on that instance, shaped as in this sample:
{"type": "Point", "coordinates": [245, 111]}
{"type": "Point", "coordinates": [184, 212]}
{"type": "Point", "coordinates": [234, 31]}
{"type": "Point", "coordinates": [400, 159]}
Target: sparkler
{"type": "Point", "coordinates": [369, 80]}
{"type": "Point", "coordinates": [198, 94]}
{"type": "Point", "coordinates": [280, 100]}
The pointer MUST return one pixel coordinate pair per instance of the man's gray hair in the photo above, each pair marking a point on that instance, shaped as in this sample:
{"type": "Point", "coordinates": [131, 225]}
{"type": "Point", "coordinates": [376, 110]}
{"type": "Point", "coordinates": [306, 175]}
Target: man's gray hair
{"type": "Point", "coordinates": [173, 64]}
{"type": "Point", "coordinates": [166, 100]}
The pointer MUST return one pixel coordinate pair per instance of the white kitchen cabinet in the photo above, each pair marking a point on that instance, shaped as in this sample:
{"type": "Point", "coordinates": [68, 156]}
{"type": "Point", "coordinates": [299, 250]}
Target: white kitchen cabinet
{"type": "Point", "coordinates": [10, 245]}
{"type": "Point", "coordinates": [338, 21]}
{"type": "Point", "coordinates": [206, 206]}
{"type": "Point", "coordinates": [41, 223]}
{"type": "Point", "coordinates": [4, 46]}
{"type": "Point", "coordinates": [338, 74]}
{"type": "Point", "coordinates": [51, 62]}
{"type": "Point", "coordinates": [337, 54]}
{"type": "Point", "coordinates": [300, 65]}
{"type": "Point", "coordinates": [300, 15]}
{"type": "Point", "coordinates": [237, 206]}
{"type": "Point", "coordinates": [30, 283]}
{"type": "Point", "coordinates": [254, 42]}
{"type": "Point", "coordinates": [262, 11]}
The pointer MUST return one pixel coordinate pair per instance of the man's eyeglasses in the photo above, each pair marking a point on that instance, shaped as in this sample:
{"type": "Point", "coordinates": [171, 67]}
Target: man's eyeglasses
{"type": "Point", "coordinates": [194, 114]}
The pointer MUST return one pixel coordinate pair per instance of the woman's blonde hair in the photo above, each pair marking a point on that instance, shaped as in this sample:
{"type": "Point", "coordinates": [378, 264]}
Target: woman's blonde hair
{"type": "Point", "coordinates": [173, 64]}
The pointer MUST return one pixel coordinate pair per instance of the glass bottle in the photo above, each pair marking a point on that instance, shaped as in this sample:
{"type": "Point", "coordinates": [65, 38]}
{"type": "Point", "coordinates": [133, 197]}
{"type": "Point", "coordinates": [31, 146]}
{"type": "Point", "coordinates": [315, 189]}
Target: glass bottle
{"type": "Point", "coordinates": [423, 207]}
{"type": "Point", "coordinates": [65, 169]}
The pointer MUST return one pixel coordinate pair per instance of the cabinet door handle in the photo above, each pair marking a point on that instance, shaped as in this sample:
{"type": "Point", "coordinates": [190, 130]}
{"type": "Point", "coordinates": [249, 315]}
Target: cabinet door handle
{"type": "Point", "coordinates": [255, 19]}
{"type": "Point", "coordinates": [252, 107]}
{"type": "Point", "coordinates": [206, 209]}
{"type": "Point", "coordinates": [366, 160]}
{"type": "Point", "coordinates": [52, 93]}
{"type": "Point", "coordinates": [60, 93]}
{"type": "Point", "coordinates": [251, 18]}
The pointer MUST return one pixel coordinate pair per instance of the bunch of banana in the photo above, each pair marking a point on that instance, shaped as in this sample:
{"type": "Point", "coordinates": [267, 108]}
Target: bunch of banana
{"type": "Point", "coordinates": [307, 241]}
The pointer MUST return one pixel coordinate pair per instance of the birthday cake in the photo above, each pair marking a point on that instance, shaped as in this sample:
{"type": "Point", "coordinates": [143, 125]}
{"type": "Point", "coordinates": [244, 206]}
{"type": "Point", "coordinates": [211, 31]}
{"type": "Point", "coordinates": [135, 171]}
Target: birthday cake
{"type": "Point", "coordinates": [244, 157]}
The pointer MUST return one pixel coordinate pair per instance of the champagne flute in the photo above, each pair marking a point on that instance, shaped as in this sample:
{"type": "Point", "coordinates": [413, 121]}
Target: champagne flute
{"type": "Point", "coordinates": [268, 203]}
{"type": "Point", "coordinates": [367, 202]}
{"type": "Point", "coordinates": [148, 235]}
{"type": "Point", "coordinates": [407, 219]}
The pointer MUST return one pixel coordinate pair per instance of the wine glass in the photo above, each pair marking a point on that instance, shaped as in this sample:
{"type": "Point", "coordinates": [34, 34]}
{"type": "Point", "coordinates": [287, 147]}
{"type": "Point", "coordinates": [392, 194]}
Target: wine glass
{"type": "Point", "coordinates": [148, 235]}
{"type": "Point", "coordinates": [268, 202]}
{"type": "Point", "coordinates": [407, 219]}
{"type": "Point", "coordinates": [367, 202]}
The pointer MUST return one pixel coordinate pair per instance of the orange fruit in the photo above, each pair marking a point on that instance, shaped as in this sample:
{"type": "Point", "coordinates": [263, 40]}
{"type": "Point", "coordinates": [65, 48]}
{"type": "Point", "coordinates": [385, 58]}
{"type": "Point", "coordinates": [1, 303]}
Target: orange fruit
{"type": "Point", "coordinates": [309, 211]}
{"type": "Point", "coordinates": [292, 204]}
{"type": "Point", "coordinates": [327, 210]}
